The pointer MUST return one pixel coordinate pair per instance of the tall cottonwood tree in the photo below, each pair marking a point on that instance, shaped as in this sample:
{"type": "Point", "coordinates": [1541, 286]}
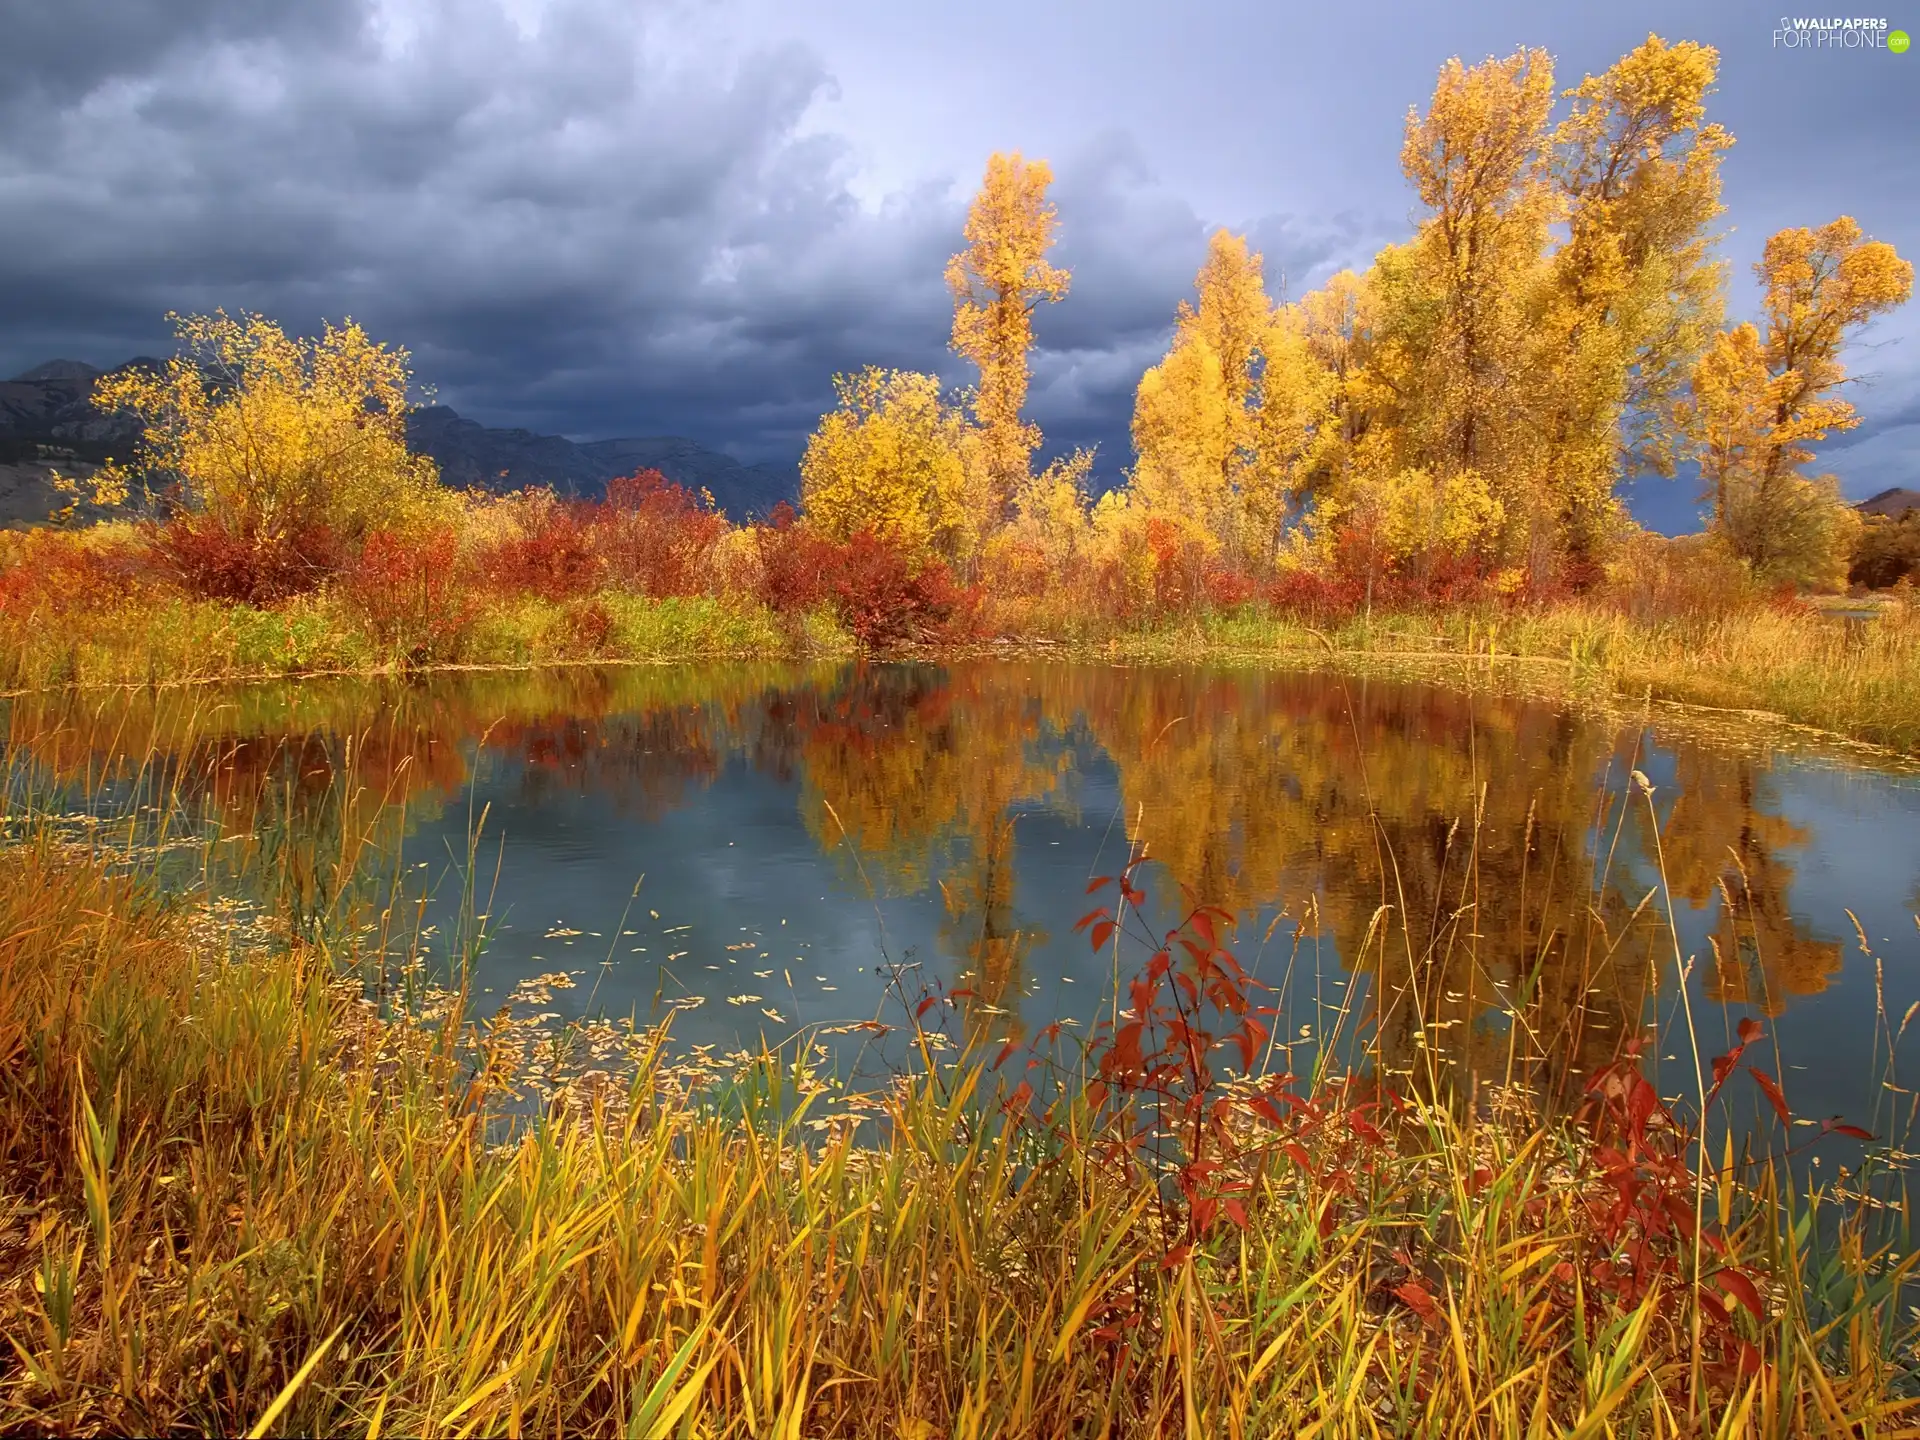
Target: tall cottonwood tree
{"type": "Point", "coordinates": [1635, 293]}
{"type": "Point", "coordinates": [1458, 332]}
{"type": "Point", "coordinates": [1762, 401]}
{"type": "Point", "coordinates": [998, 281]}
{"type": "Point", "coordinates": [1227, 426]}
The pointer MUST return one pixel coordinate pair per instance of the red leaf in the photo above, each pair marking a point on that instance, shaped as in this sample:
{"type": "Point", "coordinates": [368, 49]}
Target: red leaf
{"type": "Point", "coordinates": [1266, 1110]}
{"type": "Point", "coordinates": [1772, 1090]}
{"type": "Point", "coordinates": [1102, 932]}
{"type": "Point", "coordinates": [1088, 918]}
{"type": "Point", "coordinates": [1202, 924]}
{"type": "Point", "coordinates": [1750, 1030]}
{"type": "Point", "coordinates": [1236, 1212]}
{"type": "Point", "coordinates": [1834, 1127]}
{"type": "Point", "coordinates": [1176, 1256]}
{"type": "Point", "coordinates": [1098, 882]}
{"type": "Point", "coordinates": [1742, 1289]}
{"type": "Point", "coordinates": [1416, 1298]}
{"type": "Point", "coordinates": [1001, 1058]}
{"type": "Point", "coordinates": [925, 1005]}
{"type": "Point", "coordinates": [1243, 1042]}
{"type": "Point", "coordinates": [963, 993]}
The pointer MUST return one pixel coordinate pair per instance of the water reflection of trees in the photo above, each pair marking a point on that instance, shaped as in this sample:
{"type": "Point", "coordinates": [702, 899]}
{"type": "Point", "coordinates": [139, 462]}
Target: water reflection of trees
{"type": "Point", "coordinates": [1468, 856]}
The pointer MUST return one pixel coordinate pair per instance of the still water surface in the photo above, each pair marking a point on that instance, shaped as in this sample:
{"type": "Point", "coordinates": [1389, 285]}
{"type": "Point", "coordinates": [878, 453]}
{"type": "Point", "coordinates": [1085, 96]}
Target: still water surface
{"type": "Point", "coordinates": [1435, 881]}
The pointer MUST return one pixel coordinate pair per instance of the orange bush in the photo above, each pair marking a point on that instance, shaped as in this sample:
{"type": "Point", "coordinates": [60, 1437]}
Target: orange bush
{"type": "Point", "coordinates": [208, 557]}
{"type": "Point", "coordinates": [653, 536]}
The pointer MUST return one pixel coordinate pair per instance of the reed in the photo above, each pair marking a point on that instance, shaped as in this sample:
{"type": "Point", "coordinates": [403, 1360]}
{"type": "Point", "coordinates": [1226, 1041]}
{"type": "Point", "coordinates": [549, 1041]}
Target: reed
{"type": "Point", "coordinates": [245, 1188]}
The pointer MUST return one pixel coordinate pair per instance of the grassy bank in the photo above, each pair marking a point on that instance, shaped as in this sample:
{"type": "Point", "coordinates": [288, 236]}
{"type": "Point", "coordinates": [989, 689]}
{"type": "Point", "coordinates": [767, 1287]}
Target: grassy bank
{"type": "Point", "coordinates": [1861, 680]}
{"type": "Point", "coordinates": [1858, 679]}
{"type": "Point", "coordinates": [235, 1197]}
{"type": "Point", "coordinates": [180, 639]}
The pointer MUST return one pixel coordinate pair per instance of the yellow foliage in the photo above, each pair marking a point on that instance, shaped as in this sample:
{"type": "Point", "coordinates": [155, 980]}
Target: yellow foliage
{"type": "Point", "coordinates": [1184, 438]}
{"type": "Point", "coordinates": [1051, 510]}
{"type": "Point", "coordinates": [268, 434]}
{"type": "Point", "coordinates": [1760, 404]}
{"type": "Point", "coordinates": [996, 283]}
{"type": "Point", "coordinates": [1634, 294]}
{"type": "Point", "coordinates": [891, 459]}
{"type": "Point", "coordinates": [1458, 295]}
{"type": "Point", "coordinates": [1231, 425]}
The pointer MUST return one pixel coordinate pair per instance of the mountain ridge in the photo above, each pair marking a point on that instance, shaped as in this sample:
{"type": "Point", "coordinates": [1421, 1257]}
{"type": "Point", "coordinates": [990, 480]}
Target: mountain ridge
{"type": "Point", "coordinates": [50, 405]}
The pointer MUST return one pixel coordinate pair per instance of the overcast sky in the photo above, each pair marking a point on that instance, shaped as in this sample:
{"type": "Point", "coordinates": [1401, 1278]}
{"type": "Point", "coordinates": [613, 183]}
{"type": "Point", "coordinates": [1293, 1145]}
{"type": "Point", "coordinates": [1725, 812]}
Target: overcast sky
{"type": "Point", "coordinates": [606, 217]}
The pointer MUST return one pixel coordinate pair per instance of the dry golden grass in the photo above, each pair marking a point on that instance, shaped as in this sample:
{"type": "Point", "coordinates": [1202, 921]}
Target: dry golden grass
{"type": "Point", "coordinates": [235, 1199]}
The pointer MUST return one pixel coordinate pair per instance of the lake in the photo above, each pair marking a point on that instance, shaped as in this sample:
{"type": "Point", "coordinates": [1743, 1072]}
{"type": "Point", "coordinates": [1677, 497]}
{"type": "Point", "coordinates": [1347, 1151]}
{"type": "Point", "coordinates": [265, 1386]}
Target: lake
{"type": "Point", "coordinates": [1439, 883]}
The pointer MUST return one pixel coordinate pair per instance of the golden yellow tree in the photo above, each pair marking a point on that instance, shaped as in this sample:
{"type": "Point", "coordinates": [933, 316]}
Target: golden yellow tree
{"type": "Point", "coordinates": [1224, 425]}
{"type": "Point", "coordinates": [998, 281]}
{"type": "Point", "coordinates": [1183, 436]}
{"type": "Point", "coordinates": [1761, 403]}
{"type": "Point", "coordinates": [1476, 158]}
{"type": "Point", "coordinates": [267, 436]}
{"type": "Point", "coordinates": [1296, 427]}
{"type": "Point", "coordinates": [1635, 294]}
{"type": "Point", "coordinates": [890, 459]}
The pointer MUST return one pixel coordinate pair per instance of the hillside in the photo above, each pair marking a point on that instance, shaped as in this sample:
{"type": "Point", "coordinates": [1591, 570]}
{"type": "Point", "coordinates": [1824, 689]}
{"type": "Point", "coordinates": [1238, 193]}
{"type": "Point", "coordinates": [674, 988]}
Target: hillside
{"type": "Point", "coordinates": [1893, 504]}
{"type": "Point", "coordinates": [48, 419]}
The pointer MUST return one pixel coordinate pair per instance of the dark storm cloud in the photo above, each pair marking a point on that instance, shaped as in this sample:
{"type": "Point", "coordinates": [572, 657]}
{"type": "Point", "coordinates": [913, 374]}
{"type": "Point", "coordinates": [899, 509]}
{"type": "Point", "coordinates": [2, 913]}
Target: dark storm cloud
{"type": "Point", "coordinates": [570, 228]}
{"type": "Point", "coordinates": [604, 217]}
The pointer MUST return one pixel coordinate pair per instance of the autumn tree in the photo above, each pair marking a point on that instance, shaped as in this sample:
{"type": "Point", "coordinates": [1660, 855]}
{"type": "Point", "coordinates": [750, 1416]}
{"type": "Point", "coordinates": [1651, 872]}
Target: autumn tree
{"type": "Point", "coordinates": [270, 438]}
{"type": "Point", "coordinates": [1297, 427]}
{"type": "Point", "coordinates": [1634, 294]}
{"type": "Point", "coordinates": [1761, 402]}
{"type": "Point", "coordinates": [890, 459]}
{"type": "Point", "coordinates": [1455, 301]}
{"type": "Point", "coordinates": [1194, 413]}
{"type": "Point", "coordinates": [998, 281]}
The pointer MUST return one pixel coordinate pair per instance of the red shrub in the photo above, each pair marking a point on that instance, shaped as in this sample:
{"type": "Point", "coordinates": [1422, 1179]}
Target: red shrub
{"type": "Point", "coordinates": [886, 601]}
{"type": "Point", "coordinates": [206, 557]}
{"type": "Point", "coordinates": [794, 563]}
{"type": "Point", "coordinates": [411, 593]}
{"type": "Point", "coordinates": [591, 625]}
{"type": "Point", "coordinates": [1315, 596]}
{"type": "Point", "coordinates": [1179, 568]}
{"type": "Point", "coordinates": [555, 561]}
{"type": "Point", "coordinates": [655, 536]}
{"type": "Point", "coordinates": [54, 572]}
{"type": "Point", "coordinates": [1228, 589]}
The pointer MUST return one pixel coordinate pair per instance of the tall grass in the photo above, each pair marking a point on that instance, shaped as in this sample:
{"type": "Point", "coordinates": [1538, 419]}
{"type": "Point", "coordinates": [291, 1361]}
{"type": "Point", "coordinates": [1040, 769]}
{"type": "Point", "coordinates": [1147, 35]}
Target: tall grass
{"type": "Point", "coordinates": [654, 574]}
{"type": "Point", "coordinates": [1860, 679]}
{"type": "Point", "coordinates": [237, 1196]}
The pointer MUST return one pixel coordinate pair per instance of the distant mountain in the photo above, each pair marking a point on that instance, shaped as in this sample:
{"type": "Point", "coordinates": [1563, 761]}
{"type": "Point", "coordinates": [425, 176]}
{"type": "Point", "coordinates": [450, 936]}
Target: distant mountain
{"type": "Point", "coordinates": [51, 405]}
{"type": "Point", "coordinates": [740, 490]}
{"type": "Point", "coordinates": [469, 453]}
{"type": "Point", "coordinates": [1893, 503]}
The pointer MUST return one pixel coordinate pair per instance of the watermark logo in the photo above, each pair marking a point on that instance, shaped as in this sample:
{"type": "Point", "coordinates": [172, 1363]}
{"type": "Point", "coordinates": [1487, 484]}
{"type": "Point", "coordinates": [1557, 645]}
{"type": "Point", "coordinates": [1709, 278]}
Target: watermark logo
{"type": "Point", "coordinates": [1812, 32]}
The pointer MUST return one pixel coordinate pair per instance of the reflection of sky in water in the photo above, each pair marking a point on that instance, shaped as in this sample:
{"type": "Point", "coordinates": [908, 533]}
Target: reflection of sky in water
{"type": "Point", "coordinates": [709, 800]}
{"type": "Point", "coordinates": [737, 864]}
